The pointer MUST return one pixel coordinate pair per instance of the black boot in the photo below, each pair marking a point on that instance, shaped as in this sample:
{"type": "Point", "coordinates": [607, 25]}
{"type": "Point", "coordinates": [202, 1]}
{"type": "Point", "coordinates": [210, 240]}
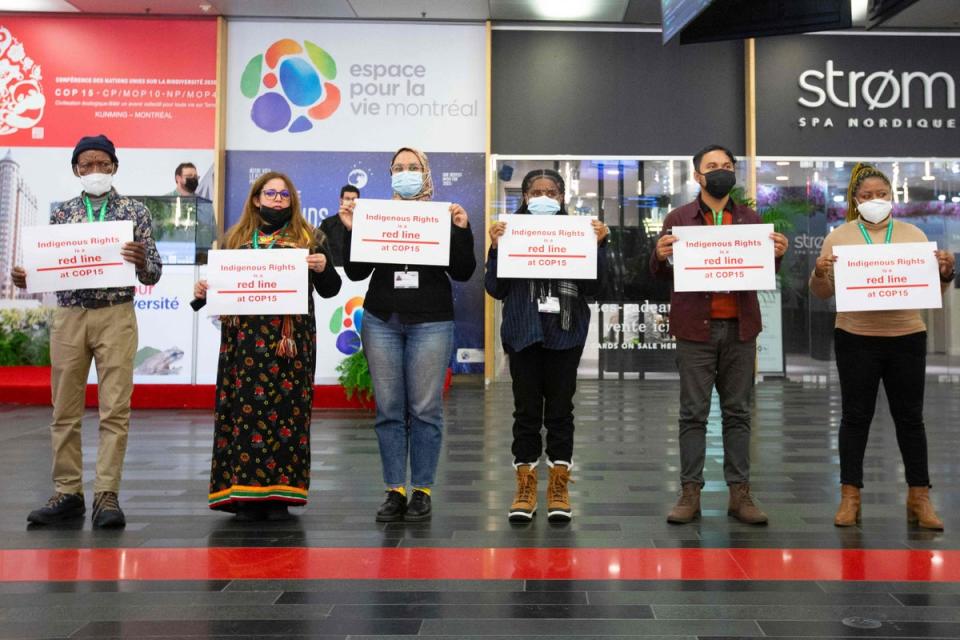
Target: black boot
{"type": "Point", "coordinates": [393, 507]}
{"type": "Point", "coordinates": [60, 507]}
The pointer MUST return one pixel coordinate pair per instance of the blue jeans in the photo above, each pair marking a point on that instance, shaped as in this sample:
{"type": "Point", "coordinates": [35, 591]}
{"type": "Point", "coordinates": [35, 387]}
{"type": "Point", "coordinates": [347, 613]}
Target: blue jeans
{"type": "Point", "coordinates": [408, 363]}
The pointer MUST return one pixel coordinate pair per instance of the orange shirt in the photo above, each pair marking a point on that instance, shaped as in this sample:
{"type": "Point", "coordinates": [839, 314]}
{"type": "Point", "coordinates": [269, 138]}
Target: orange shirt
{"type": "Point", "coordinates": [723, 306]}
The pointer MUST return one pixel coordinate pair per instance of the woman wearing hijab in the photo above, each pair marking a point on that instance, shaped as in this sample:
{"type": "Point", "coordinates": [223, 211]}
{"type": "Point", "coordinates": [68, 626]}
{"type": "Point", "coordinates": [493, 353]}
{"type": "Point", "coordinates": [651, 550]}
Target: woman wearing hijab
{"type": "Point", "coordinates": [407, 336]}
{"type": "Point", "coordinates": [261, 451]}
{"type": "Point", "coordinates": [543, 331]}
{"type": "Point", "coordinates": [874, 346]}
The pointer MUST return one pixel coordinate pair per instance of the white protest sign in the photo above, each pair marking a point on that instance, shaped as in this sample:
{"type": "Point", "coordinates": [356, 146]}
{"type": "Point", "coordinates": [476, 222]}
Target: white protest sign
{"type": "Point", "coordinates": [724, 258]}
{"type": "Point", "coordinates": [401, 232]}
{"type": "Point", "coordinates": [548, 247]}
{"type": "Point", "coordinates": [874, 277]}
{"type": "Point", "coordinates": [257, 282]}
{"type": "Point", "coordinates": [60, 257]}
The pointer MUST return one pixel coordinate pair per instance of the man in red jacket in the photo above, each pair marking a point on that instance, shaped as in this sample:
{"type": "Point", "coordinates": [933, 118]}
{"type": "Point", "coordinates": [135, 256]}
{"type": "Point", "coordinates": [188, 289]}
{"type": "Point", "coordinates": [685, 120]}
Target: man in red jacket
{"type": "Point", "coordinates": [716, 346]}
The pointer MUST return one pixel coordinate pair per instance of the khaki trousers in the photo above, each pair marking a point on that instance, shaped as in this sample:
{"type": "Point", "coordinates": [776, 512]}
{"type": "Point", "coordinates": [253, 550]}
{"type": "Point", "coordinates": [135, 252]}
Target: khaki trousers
{"type": "Point", "coordinates": [109, 336]}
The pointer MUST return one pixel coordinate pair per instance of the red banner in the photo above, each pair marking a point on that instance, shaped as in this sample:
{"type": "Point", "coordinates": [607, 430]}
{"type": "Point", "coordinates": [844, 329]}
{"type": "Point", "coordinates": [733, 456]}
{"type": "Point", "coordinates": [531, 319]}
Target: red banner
{"type": "Point", "coordinates": [145, 83]}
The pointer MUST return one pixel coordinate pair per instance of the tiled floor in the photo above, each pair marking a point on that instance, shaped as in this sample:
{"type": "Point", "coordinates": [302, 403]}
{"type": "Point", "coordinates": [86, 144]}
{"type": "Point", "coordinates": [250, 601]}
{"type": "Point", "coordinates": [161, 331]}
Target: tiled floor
{"type": "Point", "coordinates": [618, 570]}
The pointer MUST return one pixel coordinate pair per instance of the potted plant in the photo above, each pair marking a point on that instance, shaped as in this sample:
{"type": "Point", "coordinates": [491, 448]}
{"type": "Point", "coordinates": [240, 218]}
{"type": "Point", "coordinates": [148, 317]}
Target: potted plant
{"type": "Point", "coordinates": [354, 376]}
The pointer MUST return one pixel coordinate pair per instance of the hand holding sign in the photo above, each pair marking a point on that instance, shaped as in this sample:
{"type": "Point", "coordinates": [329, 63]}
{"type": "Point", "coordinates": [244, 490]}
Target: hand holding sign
{"type": "Point", "coordinates": [726, 258]}
{"type": "Point", "coordinates": [874, 277]}
{"type": "Point", "coordinates": [404, 231]}
{"type": "Point", "coordinates": [89, 255]}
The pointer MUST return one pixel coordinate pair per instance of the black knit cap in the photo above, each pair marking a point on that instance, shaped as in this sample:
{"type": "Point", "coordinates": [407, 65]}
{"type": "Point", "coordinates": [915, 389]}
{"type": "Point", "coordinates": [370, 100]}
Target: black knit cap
{"type": "Point", "coordinates": [95, 143]}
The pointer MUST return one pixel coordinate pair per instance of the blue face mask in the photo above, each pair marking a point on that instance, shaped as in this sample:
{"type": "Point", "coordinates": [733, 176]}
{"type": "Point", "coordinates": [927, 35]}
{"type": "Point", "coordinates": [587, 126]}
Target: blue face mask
{"type": "Point", "coordinates": [543, 206]}
{"type": "Point", "coordinates": [407, 184]}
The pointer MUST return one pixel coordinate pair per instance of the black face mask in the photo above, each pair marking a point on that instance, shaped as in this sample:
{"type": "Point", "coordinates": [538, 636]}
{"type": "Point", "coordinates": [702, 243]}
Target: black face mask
{"type": "Point", "coordinates": [719, 182]}
{"type": "Point", "coordinates": [275, 217]}
{"type": "Point", "coordinates": [190, 184]}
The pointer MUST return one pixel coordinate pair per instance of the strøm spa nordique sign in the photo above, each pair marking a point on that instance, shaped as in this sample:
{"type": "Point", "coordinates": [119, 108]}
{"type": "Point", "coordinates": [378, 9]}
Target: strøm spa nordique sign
{"type": "Point", "coordinates": [858, 95]}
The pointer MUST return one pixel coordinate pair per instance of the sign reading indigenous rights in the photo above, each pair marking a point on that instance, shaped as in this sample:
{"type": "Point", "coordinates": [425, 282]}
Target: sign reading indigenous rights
{"type": "Point", "coordinates": [547, 247]}
{"type": "Point", "coordinates": [250, 282]}
{"type": "Point", "coordinates": [887, 276]}
{"type": "Point", "coordinates": [725, 258]}
{"type": "Point", "coordinates": [401, 232]}
{"type": "Point", "coordinates": [77, 256]}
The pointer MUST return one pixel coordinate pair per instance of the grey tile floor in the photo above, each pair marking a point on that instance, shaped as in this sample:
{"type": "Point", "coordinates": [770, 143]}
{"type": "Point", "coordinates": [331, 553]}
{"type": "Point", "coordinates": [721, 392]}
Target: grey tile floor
{"type": "Point", "coordinates": [626, 467]}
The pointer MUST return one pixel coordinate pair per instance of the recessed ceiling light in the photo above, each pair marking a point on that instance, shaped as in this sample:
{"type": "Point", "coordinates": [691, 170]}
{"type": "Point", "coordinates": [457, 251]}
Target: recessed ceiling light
{"type": "Point", "coordinates": [565, 9]}
{"type": "Point", "coordinates": [782, 178]}
{"type": "Point", "coordinates": [838, 198]}
{"type": "Point", "coordinates": [955, 199]}
{"type": "Point", "coordinates": [928, 177]}
{"type": "Point", "coordinates": [783, 163]}
{"type": "Point", "coordinates": [941, 197]}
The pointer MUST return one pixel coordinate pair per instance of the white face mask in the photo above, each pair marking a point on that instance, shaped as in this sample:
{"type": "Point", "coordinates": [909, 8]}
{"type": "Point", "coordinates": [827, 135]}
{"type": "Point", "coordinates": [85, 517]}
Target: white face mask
{"type": "Point", "coordinates": [96, 184]}
{"type": "Point", "coordinates": [875, 211]}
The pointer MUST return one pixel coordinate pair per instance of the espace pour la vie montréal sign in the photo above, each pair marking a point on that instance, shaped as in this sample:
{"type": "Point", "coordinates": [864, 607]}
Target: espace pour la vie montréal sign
{"type": "Point", "coordinates": [858, 96]}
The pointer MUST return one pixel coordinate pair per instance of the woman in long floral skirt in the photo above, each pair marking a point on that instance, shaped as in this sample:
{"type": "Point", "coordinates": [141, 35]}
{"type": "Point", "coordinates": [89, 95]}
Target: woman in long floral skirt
{"type": "Point", "coordinates": [261, 450]}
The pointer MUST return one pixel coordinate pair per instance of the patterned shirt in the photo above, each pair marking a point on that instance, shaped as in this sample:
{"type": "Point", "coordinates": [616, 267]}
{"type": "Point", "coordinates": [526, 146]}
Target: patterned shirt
{"type": "Point", "coordinates": [118, 208]}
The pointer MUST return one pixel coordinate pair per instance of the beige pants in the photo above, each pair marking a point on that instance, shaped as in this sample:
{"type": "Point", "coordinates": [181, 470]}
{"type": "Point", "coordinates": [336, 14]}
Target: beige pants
{"type": "Point", "coordinates": [108, 336]}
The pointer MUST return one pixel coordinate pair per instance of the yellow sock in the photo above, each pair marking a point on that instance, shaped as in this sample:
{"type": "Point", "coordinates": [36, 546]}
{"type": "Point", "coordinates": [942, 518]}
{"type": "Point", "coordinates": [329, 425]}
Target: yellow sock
{"type": "Point", "coordinates": [425, 490]}
{"type": "Point", "coordinates": [401, 490]}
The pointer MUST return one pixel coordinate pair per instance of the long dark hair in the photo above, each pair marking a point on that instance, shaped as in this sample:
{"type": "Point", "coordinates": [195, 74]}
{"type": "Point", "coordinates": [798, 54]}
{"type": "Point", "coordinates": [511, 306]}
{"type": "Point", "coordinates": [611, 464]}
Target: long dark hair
{"type": "Point", "coordinates": [549, 174]}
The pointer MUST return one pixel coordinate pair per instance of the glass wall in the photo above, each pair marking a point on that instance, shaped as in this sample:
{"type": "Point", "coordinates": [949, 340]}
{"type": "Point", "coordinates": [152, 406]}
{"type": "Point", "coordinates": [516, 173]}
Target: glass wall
{"type": "Point", "coordinates": [629, 333]}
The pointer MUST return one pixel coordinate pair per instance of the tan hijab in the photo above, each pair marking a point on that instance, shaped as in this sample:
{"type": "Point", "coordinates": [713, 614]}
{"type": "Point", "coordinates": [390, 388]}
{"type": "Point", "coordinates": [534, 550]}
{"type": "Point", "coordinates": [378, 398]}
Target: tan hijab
{"type": "Point", "coordinates": [426, 192]}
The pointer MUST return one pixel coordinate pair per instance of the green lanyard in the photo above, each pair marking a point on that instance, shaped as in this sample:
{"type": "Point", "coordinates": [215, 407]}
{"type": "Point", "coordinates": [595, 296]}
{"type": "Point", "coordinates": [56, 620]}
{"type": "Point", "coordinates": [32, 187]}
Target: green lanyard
{"type": "Point", "coordinates": [866, 236]}
{"type": "Point", "coordinates": [717, 217]}
{"type": "Point", "coordinates": [103, 209]}
{"type": "Point", "coordinates": [276, 236]}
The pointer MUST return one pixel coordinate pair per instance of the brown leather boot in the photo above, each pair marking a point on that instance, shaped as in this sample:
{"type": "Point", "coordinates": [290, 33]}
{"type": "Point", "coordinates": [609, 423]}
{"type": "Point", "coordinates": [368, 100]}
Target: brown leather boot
{"type": "Point", "coordinates": [848, 513]}
{"type": "Point", "coordinates": [687, 508]}
{"type": "Point", "coordinates": [741, 505]}
{"type": "Point", "coordinates": [920, 511]}
{"type": "Point", "coordinates": [558, 496]}
{"type": "Point", "coordinates": [525, 500]}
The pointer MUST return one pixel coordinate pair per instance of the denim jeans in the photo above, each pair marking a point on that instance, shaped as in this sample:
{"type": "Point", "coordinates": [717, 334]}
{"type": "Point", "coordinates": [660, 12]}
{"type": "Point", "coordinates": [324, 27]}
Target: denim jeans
{"type": "Point", "coordinates": [728, 364]}
{"type": "Point", "coordinates": [408, 364]}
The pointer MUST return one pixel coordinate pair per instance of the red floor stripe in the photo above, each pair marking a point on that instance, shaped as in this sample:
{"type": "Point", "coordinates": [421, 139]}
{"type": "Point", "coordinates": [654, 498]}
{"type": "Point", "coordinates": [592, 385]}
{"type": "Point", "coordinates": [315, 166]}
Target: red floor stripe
{"type": "Point", "coordinates": [477, 564]}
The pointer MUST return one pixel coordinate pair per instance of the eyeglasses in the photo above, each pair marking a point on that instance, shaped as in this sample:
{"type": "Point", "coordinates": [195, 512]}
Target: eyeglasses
{"type": "Point", "coordinates": [273, 194]}
{"type": "Point", "coordinates": [397, 168]}
{"type": "Point", "coordinates": [89, 167]}
{"type": "Point", "coordinates": [550, 193]}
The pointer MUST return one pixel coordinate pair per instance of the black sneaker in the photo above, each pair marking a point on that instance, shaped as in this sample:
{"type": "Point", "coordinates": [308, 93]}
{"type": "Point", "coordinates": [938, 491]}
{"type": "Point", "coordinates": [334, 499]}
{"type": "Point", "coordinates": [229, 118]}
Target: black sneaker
{"type": "Point", "coordinates": [393, 507]}
{"type": "Point", "coordinates": [60, 507]}
{"type": "Point", "coordinates": [106, 511]}
{"type": "Point", "coordinates": [419, 507]}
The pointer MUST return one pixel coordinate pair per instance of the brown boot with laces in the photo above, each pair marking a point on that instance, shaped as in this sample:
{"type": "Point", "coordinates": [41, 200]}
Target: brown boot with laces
{"type": "Point", "coordinates": [742, 507]}
{"type": "Point", "coordinates": [920, 510]}
{"type": "Point", "coordinates": [558, 495]}
{"type": "Point", "coordinates": [525, 501]}
{"type": "Point", "coordinates": [848, 513]}
{"type": "Point", "coordinates": [106, 511]}
{"type": "Point", "coordinates": [687, 508]}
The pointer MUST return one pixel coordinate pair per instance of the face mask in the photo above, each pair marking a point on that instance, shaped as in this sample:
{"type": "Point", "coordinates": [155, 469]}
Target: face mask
{"type": "Point", "coordinates": [96, 184]}
{"type": "Point", "coordinates": [407, 184]}
{"type": "Point", "coordinates": [275, 217]}
{"type": "Point", "coordinates": [875, 210]}
{"type": "Point", "coordinates": [543, 206]}
{"type": "Point", "coordinates": [720, 182]}
{"type": "Point", "coordinates": [190, 184]}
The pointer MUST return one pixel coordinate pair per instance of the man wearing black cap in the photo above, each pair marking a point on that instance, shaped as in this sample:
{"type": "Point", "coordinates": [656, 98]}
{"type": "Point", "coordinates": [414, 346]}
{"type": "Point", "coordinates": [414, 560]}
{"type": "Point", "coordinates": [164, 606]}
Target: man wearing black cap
{"type": "Point", "coordinates": [96, 324]}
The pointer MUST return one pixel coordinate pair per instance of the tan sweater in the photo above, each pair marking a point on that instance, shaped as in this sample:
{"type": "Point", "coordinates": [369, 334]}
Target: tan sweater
{"type": "Point", "coordinates": [891, 323]}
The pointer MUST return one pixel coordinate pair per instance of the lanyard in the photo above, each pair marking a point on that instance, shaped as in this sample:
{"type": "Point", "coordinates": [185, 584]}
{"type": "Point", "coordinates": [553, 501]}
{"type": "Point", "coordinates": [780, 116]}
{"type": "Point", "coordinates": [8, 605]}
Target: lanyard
{"type": "Point", "coordinates": [717, 217]}
{"type": "Point", "coordinates": [866, 236]}
{"type": "Point", "coordinates": [276, 236]}
{"type": "Point", "coordinates": [103, 209]}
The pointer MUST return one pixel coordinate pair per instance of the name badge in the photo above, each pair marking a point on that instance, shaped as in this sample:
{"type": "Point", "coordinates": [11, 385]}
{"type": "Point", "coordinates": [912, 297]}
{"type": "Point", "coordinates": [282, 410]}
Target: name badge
{"type": "Point", "coordinates": [548, 304]}
{"type": "Point", "coordinates": [406, 279]}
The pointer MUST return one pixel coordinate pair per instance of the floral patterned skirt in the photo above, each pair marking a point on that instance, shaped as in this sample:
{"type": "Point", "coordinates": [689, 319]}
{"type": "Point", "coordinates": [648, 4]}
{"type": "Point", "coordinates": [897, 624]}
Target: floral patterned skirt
{"type": "Point", "coordinates": [261, 449]}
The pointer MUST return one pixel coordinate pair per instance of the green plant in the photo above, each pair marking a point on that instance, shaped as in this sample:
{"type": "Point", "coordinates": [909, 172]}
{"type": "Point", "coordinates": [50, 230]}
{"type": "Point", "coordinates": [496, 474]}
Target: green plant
{"type": "Point", "coordinates": [354, 376]}
{"type": "Point", "coordinates": [25, 336]}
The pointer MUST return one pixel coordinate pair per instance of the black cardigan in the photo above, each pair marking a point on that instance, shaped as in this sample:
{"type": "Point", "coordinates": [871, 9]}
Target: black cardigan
{"type": "Point", "coordinates": [432, 300]}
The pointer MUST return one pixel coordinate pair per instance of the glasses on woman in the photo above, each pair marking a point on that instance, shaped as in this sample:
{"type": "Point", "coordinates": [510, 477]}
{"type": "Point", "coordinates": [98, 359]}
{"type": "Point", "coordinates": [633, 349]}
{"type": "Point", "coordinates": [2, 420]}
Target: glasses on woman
{"type": "Point", "coordinates": [273, 194]}
{"type": "Point", "coordinates": [397, 168]}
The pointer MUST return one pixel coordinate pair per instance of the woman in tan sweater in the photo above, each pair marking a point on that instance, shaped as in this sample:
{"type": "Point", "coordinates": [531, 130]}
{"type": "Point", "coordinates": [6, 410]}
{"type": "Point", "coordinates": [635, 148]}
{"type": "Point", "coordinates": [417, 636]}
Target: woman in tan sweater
{"type": "Point", "coordinates": [879, 345]}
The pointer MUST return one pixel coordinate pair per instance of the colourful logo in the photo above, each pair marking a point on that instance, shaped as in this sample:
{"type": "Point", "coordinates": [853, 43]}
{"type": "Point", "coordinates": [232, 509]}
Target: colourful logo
{"type": "Point", "coordinates": [294, 89]}
{"type": "Point", "coordinates": [346, 323]}
{"type": "Point", "coordinates": [21, 97]}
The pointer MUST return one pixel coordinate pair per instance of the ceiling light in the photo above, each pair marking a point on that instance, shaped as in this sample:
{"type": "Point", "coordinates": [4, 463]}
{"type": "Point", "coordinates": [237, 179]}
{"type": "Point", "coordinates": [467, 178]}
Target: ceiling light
{"type": "Point", "coordinates": [782, 178]}
{"type": "Point", "coordinates": [592, 194]}
{"type": "Point", "coordinates": [928, 178]}
{"type": "Point", "coordinates": [838, 198]}
{"type": "Point", "coordinates": [565, 9]}
{"type": "Point", "coordinates": [60, 6]}
{"type": "Point", "coordinates": [942, 197]}
{"type": "Point", "coordinates": [858, 12]}
{"type": "Point", "coordinates": [783, 163]}
{"type": "Point", "coordinates": [955, 199]}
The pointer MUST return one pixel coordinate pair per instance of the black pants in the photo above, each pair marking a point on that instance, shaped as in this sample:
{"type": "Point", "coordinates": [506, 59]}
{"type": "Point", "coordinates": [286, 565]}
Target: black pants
{"type": "Point", "coordinates": [544, 381]}
{"type": "Point", "coordinates": [900, 362]}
